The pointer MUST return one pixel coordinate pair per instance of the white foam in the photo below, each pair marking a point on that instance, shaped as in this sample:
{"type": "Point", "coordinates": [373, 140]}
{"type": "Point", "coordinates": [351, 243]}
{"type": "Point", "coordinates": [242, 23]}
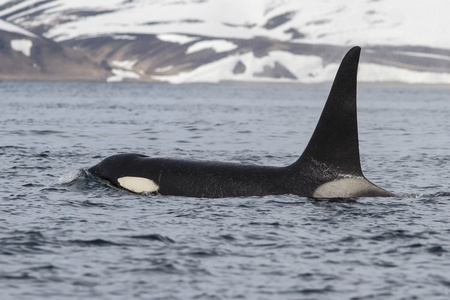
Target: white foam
{"type": "Point", "coordinates": [70, 176]}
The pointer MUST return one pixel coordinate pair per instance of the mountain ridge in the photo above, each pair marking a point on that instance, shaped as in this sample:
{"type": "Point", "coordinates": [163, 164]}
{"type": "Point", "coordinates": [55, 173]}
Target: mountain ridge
{"type": "Point", "coordinates": [212, 41]}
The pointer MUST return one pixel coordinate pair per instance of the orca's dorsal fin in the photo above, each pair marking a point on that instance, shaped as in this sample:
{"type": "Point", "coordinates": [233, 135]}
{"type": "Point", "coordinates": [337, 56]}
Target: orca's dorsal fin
{"type": "Point", "coordinates": [334, 143]}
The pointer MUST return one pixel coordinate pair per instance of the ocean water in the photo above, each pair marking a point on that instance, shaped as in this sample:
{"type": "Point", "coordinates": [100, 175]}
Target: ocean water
{"type": "Point", "coordinates": [65, 236]}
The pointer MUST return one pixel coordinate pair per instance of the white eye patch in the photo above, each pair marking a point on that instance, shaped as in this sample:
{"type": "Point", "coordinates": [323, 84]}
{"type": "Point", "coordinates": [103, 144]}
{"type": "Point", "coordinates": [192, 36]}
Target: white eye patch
{"type": "Point", "coordinates": [138, 184]}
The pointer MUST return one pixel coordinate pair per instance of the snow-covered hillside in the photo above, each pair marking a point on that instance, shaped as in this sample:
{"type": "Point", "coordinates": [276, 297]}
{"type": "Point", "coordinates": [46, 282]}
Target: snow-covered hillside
{"type": "Point", "coordinates": [25, 55]}
{"type": "Point", "coordinates": [336, 22]}
{"type": "Point", "coordinates": [247, 40]}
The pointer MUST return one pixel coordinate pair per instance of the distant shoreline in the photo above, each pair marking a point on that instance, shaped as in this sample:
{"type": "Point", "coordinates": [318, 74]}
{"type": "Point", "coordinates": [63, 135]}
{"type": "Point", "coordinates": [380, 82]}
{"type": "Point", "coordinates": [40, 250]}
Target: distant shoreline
{"type": "Point", "coordinates": [262, 83]}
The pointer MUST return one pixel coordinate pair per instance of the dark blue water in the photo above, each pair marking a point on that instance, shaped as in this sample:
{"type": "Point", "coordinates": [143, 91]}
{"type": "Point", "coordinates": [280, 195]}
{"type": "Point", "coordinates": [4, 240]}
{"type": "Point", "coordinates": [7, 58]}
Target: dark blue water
{"type": "Point", "coordinates": [65, 236]}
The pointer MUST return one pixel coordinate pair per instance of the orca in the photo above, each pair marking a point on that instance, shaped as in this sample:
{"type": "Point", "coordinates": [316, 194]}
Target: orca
{"type": "Point", "coordinates": [328, 168]}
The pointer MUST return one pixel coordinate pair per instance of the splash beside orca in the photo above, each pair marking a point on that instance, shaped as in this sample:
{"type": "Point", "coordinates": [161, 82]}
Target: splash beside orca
{"type": "Point", "coordinates": [328, 168]}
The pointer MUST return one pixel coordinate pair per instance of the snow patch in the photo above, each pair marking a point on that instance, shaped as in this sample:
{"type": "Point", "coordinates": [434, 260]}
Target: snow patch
{"type": "Point", "coordinates": [217, 45]}
{"type": "Point", "coordinates": [22, 45]}
{"type": "Point", "coordinates": [124, 64]}
{"type": "Point", "coordinates": [176, 38]}
{"type": "Point", "coordinates": [124, 37]}
{"type": "Point", "coordinates": [164, 69]}
{"type": "Point", "coordinates": [5, 26]}
{"type": "Point", "coordinates": [378, 73]}
{"type": "Point", "coordinates": [319, 21]}
{"type": "Point", "coordinates": [424, 55]}
{"type": "Point", "coordinates": [316, 21]}
{"type": "Point", "coordinates": [120, 75]}
{"type": "Point", "coordinates": [308, 69]}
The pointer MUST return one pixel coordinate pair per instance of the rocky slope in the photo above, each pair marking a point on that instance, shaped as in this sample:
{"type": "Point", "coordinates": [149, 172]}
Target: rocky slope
{"type": "Point", "coordinates": [26, 56]}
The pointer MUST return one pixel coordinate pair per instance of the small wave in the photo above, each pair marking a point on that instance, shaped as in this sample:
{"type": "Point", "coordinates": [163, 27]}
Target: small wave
{"type": "Point", "coordinates": [440, 194]}
{"type": "Point", "coordinates": [395, 234]}
{"type": "Point", "coordinates": [94, 242]}
{"type": "Point", "coordinates": [45, 132]}
{"type": "Point", "coordinates": [162, 266]}
{"type": "Point", "coordinates": [310, 291]}
{"type": "Point", "coordinates": [227, 237]}
{"type": "Point", "coordinates": [199, 252]}
{"type": "Point", "coordinates": [91, 204]}
{"type": "Point", "coordinates": [416, 196]}
{"type": "Point", "coordinates": [23, 242]}
{"type": "Point", "coordinates": [20, 276]}
{"type": "Point", "coordinates": [153, 237]}
{"type": "Point", "coordinates": [437, 250]}
{"type": "Point", "coordinates": [275, 224]}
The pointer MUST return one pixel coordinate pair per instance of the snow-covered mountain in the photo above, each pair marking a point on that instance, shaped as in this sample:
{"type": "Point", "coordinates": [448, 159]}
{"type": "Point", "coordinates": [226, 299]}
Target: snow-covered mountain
{"type": "Point", "coordinates": [244, 40]}
{"type": "Point", "coordinates": [25, 55]}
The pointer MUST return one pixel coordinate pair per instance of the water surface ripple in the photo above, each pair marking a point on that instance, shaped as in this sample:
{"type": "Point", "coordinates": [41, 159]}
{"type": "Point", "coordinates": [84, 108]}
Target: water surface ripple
{"type": "Point", "coordinates": [64, 235]}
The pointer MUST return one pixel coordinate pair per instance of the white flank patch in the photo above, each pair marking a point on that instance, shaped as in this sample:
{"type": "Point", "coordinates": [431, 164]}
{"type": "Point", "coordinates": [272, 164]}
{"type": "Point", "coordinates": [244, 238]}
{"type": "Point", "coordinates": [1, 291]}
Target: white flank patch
{"type": "Point", "coordinates": [217, 45]}
{"type": "Point", "coordinates": [348, 187]}
{"type": "Point", "coordinates": [120, 75]}
{"type": "Point", "coordinates": [138, 184]}
{"type": "Point", "coordinates": [22, 45]}
{"type": "Point", "coordinates": [176, 38]}
{"type": "Point", "coordinates": [125, 64]}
